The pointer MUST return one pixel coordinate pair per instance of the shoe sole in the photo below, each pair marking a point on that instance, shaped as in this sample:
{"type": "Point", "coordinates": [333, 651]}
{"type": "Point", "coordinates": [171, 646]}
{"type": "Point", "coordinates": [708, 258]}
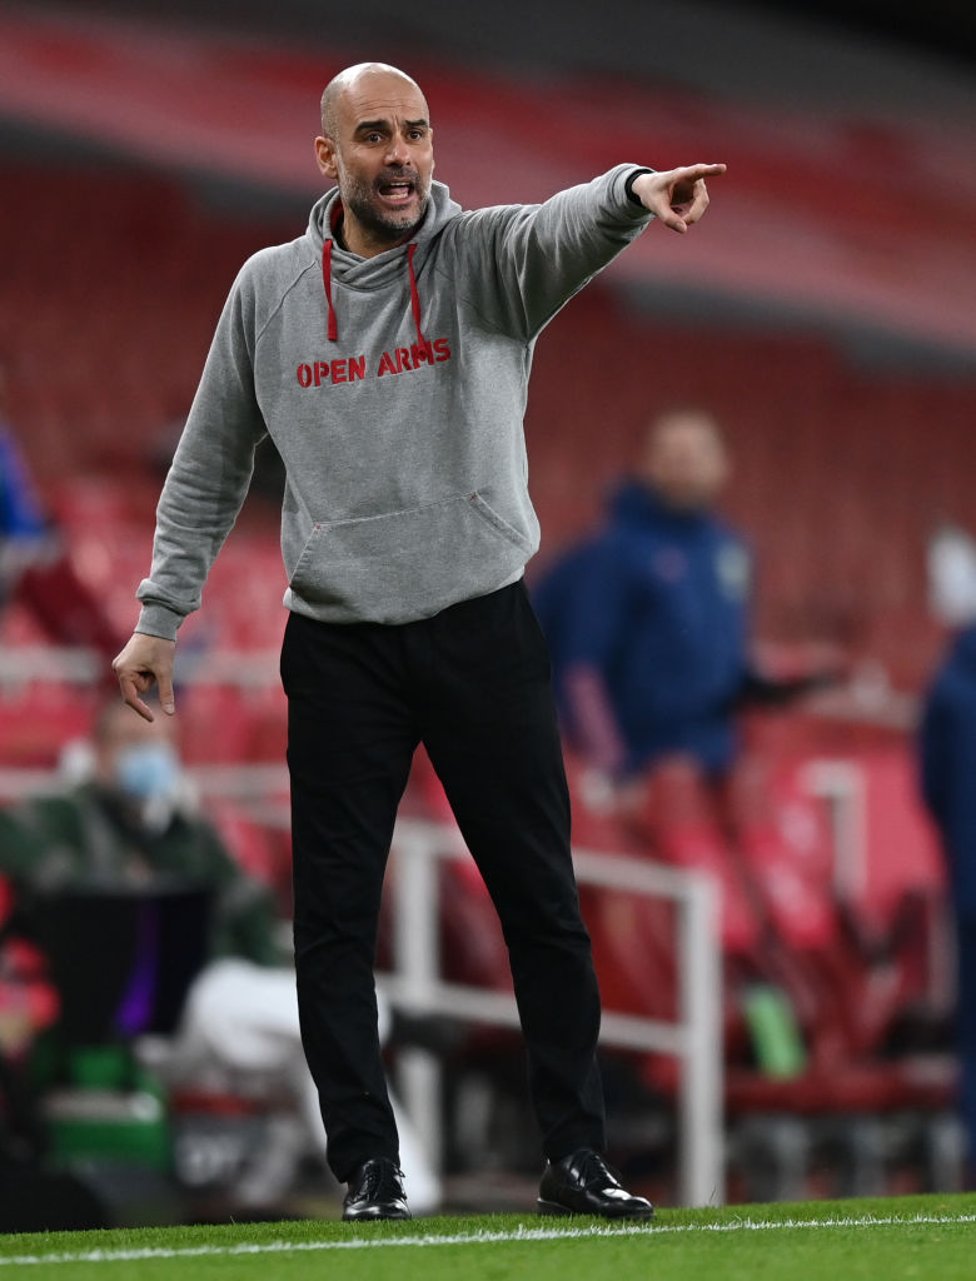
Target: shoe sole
{"type": "Point", "coordinates": [552, 1207]}
{"type": "Point", "coordinates": [556, 1210]}
{"type": "Point", "coordinates": [375, 1218]}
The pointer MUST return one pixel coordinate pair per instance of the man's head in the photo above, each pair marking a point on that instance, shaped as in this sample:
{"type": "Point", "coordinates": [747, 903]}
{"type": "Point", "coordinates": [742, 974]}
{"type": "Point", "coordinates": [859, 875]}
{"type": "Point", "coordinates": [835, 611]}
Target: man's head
{"type": "Point", "coordinates": [684, 459]}
{"type": "Point", "coordinates": [134, 759]}
{"type": "Point", "coordinates": [377, 145]}
{"type": "Point", "coordinates": [951, 563]}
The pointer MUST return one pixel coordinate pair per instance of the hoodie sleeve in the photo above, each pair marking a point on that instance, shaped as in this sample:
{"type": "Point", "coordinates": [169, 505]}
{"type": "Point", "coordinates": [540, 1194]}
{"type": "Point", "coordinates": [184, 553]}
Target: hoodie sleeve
{"type": "Point", "coordinates": [210, 474]}
{"type": "Point", "coordinates": [527, 261]}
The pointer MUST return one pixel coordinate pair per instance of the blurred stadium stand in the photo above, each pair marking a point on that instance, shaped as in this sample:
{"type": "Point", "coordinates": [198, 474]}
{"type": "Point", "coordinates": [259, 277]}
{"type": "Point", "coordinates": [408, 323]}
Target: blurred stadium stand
{"type": "Point", "coordinates": [824, 313]}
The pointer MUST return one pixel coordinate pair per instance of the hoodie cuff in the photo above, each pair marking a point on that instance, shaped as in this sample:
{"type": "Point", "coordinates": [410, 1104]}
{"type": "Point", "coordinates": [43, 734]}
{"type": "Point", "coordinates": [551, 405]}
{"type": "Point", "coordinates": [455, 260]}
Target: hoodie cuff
{"type": "Point", "coordinates": [157, 620]}
{"type": "Point", "coordinates": [629, 185]}
{"type": "Point", "coordinates": [621, 192]}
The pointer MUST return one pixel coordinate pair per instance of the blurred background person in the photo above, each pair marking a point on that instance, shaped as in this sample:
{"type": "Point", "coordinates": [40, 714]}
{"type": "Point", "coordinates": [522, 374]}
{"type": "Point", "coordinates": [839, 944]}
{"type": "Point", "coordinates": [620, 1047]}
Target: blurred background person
{"type": "Point", "coordinates": [947, 744]}
{"type": "Point", "coordinates": [649, 619]}
{"type": "Point", "coordinates": [650, 626]}
{"type": "Point", "coordinates": [36, 569]}
{"type": "Point", "coordinates": [132, 825]}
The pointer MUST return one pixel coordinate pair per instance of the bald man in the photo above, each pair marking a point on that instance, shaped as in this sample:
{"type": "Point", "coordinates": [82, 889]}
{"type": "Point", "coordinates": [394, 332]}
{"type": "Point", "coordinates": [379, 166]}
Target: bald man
{"type": "Point", "coordinates": [387, 353]}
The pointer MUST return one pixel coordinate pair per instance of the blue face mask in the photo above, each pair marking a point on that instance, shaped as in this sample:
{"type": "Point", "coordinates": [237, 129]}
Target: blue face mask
{"type": "Point", "coordinates": [147, 772]}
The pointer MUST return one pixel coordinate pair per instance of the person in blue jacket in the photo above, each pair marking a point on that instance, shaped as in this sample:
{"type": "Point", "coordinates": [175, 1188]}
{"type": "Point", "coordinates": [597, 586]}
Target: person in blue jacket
{"type": "Point", "coordinates": [948, 767]}
{"type": "Point", "coordinates": [648, 620]}
{"type": "Point", "coordinates": [36, 569]}
{"type": "Point", "coordinates": [23, 527]}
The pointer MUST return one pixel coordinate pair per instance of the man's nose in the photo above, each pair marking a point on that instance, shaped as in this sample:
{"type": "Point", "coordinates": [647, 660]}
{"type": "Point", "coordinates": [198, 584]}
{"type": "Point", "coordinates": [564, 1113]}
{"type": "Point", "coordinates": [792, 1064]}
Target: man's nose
{"type": "Point", "coordinates": [398, 153]}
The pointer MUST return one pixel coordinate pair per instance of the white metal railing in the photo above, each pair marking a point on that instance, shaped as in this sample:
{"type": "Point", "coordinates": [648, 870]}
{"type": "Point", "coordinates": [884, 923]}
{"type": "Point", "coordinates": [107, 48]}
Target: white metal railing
{"type": "Point", "coordinates": [415, 986]}
{"type": "Point", "coordinates": [244, 669]}
{"type": "Point", "coordinates": [867, 699]}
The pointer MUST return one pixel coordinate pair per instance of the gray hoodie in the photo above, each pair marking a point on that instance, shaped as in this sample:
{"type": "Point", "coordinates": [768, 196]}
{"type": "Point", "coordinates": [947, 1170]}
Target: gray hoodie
{"type": "Point", "coordinates": [394, 389]}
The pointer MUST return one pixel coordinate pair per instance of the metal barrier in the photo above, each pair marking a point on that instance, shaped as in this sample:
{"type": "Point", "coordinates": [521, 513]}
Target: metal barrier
{"type": "Point", "coordinates": [415, 987]}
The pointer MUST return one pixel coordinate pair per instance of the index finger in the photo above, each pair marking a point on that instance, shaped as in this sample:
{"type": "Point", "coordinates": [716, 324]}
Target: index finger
{"type": "Point", "coordinates": [694, 172]}
{"type": "Point", "coordinates": [130, 696]}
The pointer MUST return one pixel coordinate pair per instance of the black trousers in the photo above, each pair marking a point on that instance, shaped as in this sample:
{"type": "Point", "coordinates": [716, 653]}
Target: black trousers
{"type": "Point", "coordinates": [472, 684]}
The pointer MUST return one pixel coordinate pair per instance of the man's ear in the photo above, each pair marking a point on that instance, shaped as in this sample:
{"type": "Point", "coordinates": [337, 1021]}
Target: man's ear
{"type": "Point", "coordinates": [325, 155]}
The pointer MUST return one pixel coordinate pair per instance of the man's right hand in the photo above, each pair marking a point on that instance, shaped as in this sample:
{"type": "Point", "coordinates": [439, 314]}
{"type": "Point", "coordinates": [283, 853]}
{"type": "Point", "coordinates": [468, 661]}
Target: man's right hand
{"type": "Point", "coordinates": [146, 660]}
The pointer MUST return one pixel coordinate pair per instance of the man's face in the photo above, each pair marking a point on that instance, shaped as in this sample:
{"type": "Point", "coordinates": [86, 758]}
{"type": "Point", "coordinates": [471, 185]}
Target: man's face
{"type": "Point", "coordinates": [382, 158]}
{"type": "Point", "coordinates": [685, 461]}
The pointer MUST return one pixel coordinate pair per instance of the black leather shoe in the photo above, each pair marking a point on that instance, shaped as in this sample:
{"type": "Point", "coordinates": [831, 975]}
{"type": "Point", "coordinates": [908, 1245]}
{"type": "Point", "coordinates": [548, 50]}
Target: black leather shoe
{"type": "Point", "coordinates": [583, 1183]}
{"type": "Point", "coordinates": [376, 1192]}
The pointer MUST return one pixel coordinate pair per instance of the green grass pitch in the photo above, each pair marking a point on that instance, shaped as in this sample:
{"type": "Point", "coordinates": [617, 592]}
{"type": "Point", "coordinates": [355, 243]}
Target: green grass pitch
{"type": "Point", "coordinates": [921, 1238]}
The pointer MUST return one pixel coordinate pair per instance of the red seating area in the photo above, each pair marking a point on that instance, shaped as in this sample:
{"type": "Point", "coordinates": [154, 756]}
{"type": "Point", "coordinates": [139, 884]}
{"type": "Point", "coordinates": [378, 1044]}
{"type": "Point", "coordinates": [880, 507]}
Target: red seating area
{"type": "Point", "coordinates": [107, 311]}
{"type": "Point", "coordinates": [854, 963]}
{"type": "Point", "coordinates": [795, 229]}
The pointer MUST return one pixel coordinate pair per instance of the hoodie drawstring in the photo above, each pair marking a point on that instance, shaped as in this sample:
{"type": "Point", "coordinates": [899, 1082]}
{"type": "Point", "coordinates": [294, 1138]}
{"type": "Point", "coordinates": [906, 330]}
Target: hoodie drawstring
{"type": "Point", "coordinates": [415, 294]}
{"type": "Point", "coordinates": [333, 330]}
{"type": "Point", "coordinates": [327, 282]}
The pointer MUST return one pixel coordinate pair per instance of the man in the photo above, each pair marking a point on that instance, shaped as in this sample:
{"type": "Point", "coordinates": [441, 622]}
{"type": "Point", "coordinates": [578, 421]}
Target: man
{"type": "Point", "coordinates": [649, 626]}
{"type": "Point", "coordinates": [649, 620]}
{"type": "Point", "coordinates": [947, 742]}
{"type": "Point", "coordinates": [386, 352]}
{"type": "Point", "coordinates": [127, 825]}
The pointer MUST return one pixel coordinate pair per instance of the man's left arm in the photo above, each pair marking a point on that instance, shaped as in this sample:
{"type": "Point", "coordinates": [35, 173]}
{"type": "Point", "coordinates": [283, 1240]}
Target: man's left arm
{"type": "Point", "coordinates": [676, 197]}
{"type": "Point", "coordinates": [538, 256]}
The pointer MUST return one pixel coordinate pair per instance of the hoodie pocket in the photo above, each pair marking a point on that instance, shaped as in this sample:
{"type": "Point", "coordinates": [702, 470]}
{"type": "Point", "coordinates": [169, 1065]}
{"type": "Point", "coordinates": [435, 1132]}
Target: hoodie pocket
{"type": "Point", "coordinates": [408, 564]}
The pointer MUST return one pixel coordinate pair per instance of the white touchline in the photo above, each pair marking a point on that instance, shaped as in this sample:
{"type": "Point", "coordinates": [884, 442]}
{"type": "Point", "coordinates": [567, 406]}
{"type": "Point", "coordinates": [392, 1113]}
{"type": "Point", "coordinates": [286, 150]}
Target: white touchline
{"type": "Point", "coordinates": [483, 1238]}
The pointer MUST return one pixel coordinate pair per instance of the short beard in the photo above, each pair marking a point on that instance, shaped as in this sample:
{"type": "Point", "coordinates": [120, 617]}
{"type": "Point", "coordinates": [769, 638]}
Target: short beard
{"type": "Point", "coordinates": [357, 198]}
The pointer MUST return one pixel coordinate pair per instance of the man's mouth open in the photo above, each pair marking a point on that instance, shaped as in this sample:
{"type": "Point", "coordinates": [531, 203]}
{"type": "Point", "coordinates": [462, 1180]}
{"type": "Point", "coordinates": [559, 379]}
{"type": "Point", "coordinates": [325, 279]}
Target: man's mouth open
{"type": "Point", "coordinates": [397, 191]}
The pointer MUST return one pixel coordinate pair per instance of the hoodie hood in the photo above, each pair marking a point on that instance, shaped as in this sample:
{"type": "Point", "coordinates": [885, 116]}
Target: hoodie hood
{"type": "Point", "coordinates": [441, 209]}
{"type": "Point", "coordinates": [354, 272]}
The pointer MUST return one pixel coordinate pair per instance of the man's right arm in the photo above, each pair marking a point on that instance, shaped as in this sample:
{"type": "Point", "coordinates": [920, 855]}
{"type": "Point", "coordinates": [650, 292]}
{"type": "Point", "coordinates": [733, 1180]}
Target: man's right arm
{"type": "Point", "coordinates": [203, 493]}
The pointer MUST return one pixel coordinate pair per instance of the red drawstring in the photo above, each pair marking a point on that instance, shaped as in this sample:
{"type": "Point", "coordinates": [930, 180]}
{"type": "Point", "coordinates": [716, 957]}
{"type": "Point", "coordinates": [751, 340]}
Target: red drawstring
{"type": "Point", "coordinates": [415, 293]}
{"type": "Point", "coordinates": [327, 281]}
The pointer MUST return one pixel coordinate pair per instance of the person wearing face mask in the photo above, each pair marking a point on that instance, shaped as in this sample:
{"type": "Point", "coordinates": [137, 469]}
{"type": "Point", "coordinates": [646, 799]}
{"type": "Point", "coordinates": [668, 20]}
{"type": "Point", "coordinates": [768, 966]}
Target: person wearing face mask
{"type": "Point", "coordinates": [129, 823]}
